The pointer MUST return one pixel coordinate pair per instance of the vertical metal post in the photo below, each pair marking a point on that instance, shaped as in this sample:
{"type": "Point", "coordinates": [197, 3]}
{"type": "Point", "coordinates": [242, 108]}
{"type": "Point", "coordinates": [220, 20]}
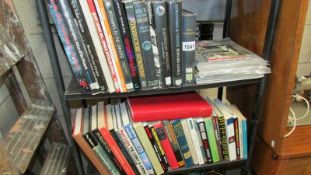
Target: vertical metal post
{"type": "Point", "coordinates": [65, 119]}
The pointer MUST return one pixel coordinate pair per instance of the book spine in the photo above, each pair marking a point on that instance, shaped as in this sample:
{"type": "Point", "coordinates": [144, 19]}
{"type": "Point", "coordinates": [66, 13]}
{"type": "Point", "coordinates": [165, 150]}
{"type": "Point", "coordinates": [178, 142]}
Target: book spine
{"type": "Point", "coordinates": [86, 37]}
{"type": "Point", "coordinates": [155, 50]}
{"type": "Point", "coordinates": [153, 137]}
{"type": "Point", "coordinates": [99, 29]}
{"type": "Point", "coordinates": [132, 151]}
{"type": "Point", "coordinates": [130, 13]}
{"type": "Point", "coordinates": [223, 136]}
{"type": "Point", "coordinates": [217, 136]}
{"type": "Point", "coordinates": [145, 42]}
{"type": "Point", "coordinates": [120, 59]}
{"type": "Point", "coordinates": [71, 54]}
{"type": "Point", "coordinates": [161, 28]}
{"type": "Point", "coordinates": [189, 140]}
{"type": "Point", "coordinates": [204, 139]}
{"type": "Point", "coordinates": [182, 141]}
{"type": "Point", "coordinates": [96, 41]}
{"type": "Point", "coordinates": [166, 145]}
{"type": "Point", "coordinates": [188, 48]}
{"type": "Point", "coordinates": [211, 139]}
{"type": "Point", "coordinates": [231, 139]}
{"type": "Point", "coordinates": [78, 44]}
{"type": "Point", "coordinates": [237, 137]}
{"type": "Point", "coordinates": [241, 138]}
{"type": "Point", "coordinates": [107, 149]}
{"type": "Point", "coordinates": [244, 130]}
{"type": "Point", "coordinates": [174, 143]}
{"type": "Point", "coordinates": [101, 154]}
{"type": "Point", "coordinates": [126, 39]}
{"type": "Point", "coordinates": [174, 9]}
{"type": "Point", "coordinates": [139, 148]}
{"type": "Point", "coordinates": [124, 152]}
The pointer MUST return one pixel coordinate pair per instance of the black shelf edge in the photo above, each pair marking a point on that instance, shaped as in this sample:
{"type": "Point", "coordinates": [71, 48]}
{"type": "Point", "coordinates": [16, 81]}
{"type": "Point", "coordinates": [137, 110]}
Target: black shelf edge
{"type": "Point", "coordinates": [204, 167]}
{"type": "Point", "coordinates": [73, 91]}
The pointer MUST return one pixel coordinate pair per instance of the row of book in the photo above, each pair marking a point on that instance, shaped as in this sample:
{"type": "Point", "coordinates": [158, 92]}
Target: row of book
{"type": "Point", "coordinates": [121, 46]}
{"type": "Point", "coordinates": [116, 145]}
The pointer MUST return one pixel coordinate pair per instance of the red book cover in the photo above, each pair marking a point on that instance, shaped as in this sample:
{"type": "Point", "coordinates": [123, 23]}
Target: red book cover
{"type": "Point", "coordinates": [168, 107]}
{"type": "Point", "coordinates": [168, 150]}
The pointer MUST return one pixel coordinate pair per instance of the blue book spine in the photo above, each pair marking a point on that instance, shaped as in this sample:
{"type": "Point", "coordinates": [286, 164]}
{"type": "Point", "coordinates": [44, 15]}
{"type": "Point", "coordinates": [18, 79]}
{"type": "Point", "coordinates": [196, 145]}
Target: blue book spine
{"type": "Point", "coordinates": [139, 148]}
{"type": "Point", "coordinates": [182, 141]}
{"type": "Point", "coordinates": [244, 131]}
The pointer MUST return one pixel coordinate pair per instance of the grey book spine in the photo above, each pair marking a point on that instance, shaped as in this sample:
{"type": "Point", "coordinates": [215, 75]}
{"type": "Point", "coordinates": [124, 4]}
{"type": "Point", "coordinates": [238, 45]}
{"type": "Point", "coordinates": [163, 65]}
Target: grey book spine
{"type": "Point", "coordinates": [161, 27]}
{"type": "Point", "coordinates": [174, 8]}
{"type": "Point", "coordinates": [188, 47]}
{"type": "Point", "coordinates": [145, 42]}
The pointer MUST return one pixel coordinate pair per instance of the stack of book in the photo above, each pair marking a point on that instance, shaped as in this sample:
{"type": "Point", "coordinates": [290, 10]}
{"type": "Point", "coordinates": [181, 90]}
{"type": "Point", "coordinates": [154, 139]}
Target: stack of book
{"type": "Point", "coordinates": [115, 144]}
{"type": "Point", "coordinates": [120, 46]}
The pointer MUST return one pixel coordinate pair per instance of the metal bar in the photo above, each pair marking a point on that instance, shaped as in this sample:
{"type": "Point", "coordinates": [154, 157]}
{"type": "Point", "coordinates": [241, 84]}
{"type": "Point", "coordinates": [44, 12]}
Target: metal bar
{"type": "Point", "coordinates": [65, 118]}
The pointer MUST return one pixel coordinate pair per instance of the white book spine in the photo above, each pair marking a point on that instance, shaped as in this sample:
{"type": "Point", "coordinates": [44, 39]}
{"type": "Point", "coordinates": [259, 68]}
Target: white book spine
{"type": "Point", "coordinates": [231, 139]}
{"type": "Point", "coordinates": [196, 141]}
{"type": "Point", "coordinates": [186, 129]}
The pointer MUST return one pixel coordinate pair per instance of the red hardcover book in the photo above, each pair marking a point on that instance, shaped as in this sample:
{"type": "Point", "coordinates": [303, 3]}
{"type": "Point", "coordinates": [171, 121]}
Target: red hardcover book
{"type": "Point", "coordinates": [168, 107]}
{"type": "Point", "coordinates": [168, 150]}
{"type": "Point", "coordinates": [102, 127]}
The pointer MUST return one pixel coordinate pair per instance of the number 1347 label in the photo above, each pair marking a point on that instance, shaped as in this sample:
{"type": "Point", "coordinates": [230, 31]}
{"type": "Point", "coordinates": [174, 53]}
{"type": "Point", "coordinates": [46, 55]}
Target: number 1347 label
{"type": "Point", "coordinates": [188, 46]}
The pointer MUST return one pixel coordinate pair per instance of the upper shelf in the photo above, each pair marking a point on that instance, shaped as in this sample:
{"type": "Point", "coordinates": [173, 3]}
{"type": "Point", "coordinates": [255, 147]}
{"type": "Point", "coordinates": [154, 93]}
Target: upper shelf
{"type": "Point", "coordinates": [74, 92]}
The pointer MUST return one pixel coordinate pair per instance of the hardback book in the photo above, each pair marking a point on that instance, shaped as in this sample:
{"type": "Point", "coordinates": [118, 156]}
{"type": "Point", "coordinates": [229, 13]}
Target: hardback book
{"type": "Point", "coordinates": [71, 54]}
{"type": "Point", "coordinates": [146, 143]}
{"type": "Point", "coordinates": [167, 107]}
{"type": "Point", "coordinates": [86, 37]}
{"type": "Point", "coordinates": [197, 142]}
{"type": "Point", "coordinates": [78, 43]}
{"type": "Point", "coordinates": [120, 58]}
{"type": "Point", "coordinates": [204, 138]}
{"type": "Point", "coordinates": [161, 28]}
{"type": "Point", "coordinates": [182, 142]}
{"type": "Point", "coordinates": [130, 13]}
{"type": "Point", "coordinates": [212, 139]}
{"type": "Point", "coordinates": [188, 136]}
{"type": "Point", "coordinates": [126, 39]}
{"type": "Point", "coordinates": [114, 139]}
{"type": "Point", "coordinates": [112, 83]}
{"type": "Point", "coordinates": [143, 30]}
{"type": "Point", "coordinates": [174, 13]}
{"type": "Point", "coordinates": [79, 138]}
{"type": "Point", "coordinates": [127, 125]}
{"type": "Point", "coordinates": [94, 142]}
{"type": "Point", "coordinates": [188, 46]}
{"type": "Point", "coordinates": [169, 153]}
{"type": "Point", "coordinates": [174, 143]}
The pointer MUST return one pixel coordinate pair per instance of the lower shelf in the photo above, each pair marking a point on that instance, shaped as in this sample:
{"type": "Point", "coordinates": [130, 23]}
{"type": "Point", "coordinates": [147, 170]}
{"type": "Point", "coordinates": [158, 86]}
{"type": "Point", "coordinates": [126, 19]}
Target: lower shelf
{"type": "Point", "coordinates": [222, 164]}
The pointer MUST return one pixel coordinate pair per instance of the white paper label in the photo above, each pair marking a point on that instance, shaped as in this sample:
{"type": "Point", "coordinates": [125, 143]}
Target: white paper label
{"type": "Point", "coordinates": [94, 85]}
{"type": "Point", "coordinates": [168, 81]}
{"type": "Point", "coordinates": [188, 46]}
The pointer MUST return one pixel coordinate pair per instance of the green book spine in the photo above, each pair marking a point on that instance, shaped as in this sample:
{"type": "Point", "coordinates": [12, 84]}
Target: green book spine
{"type": "Point", "coordinates": [212, 139]}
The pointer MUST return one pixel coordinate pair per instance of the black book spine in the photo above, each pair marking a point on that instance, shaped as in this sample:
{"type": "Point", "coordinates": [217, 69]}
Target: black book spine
{"type": "Point", "coordinates": [188, 47]}
{"type": "Point", "coordinates": [71, 53]}
{"type": "Point", "coordinates": [155, 50]}
{"type": "Point", "coordinates": [86, 37]}
{"type": "Point", "coordinates": [217, 135]}
{"type": "Point", "coordinates": [203, 134]}
{"type": "Point", "coordinates": [115, 28]}
{"type": "Point", "coordinates": [123, 150]}
{"type": "Point", "coordinates": [223, 136]}
{"type": "Point", "coordinates": [174, 9]}
{"type": "Point", "coordinates": [126, 38]}
{"type": "Point", "coordinates": [76, 38]}
{"type": "Point", "coordinates": [161, 28]}
{"type": "Point", "coordinates": [107, 149]}
{"type": "Point", "coordinates": [145, 42]}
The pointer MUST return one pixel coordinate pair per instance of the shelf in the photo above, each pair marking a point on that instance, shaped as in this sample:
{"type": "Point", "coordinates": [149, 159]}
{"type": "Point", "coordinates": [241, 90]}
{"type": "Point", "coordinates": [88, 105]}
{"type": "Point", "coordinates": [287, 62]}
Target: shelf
{"type": "Point", "coordinates": [74, 92]}
{"type": "Point", "coordinates": [222, 164]}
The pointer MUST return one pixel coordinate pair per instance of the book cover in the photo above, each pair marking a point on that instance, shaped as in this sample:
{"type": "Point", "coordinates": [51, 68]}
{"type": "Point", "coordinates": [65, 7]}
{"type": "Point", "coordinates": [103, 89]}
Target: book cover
{"type": "Point", "coordinates": [121, 60]}
{"type": "Point", "coordinates": [130, 13]}
{"type": "Point", "coordinates": [174, 143]}
{"type": "Point", "coordinates": [182, 142]}
{"type": "Point", "coordinates": [223, 136]}
{"type": "Point", "coordinates": [188, 47]}
{"type": "Point", "coordinates": [166, 107]}
{"type": "Point", "coordinates": [212, 139]}
{"type": "Point", "coordinates": [206, 146]}
{"type": "Point", "coordinates": [78, 137]}
{"type": "Point", "coordinates": [188, 136]}
{"type": "Point", "coordinates": [71, 54]}
{"type": "Point", "coordinates": [110, 79]}
{"type": "Point", "coordinates": [126, 39]}
{"type": "Point", "coordinates": [76, 39]}
{"type": "Point", "coordinates": [217, 136]}
{"type": "Point", "coordinates": [174, 10]}
{"type": "Point", "coordinates": [86, 37]}
{"type": "Point", "coordinates": [161, 28]}
{"type": "Point", "coordinates": [158, 126]}
{"type": "Point", "coordinates": [143, 30]}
